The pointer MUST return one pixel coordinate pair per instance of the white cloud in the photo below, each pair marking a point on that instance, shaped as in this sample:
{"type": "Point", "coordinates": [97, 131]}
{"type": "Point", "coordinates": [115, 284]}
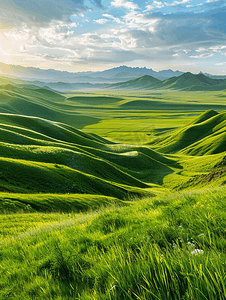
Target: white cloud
{"type": "Point", "coordinates": [57, 31]}
{"type": "Point", "coordinates": [140, 21]}
{"type": "Point", "coordinates": [41, 12]}
{"type": "Point", "coordinates": [52, 53]}
{"type": "Point", "coordinates": [201, 56]}
{"type": "Point", "coordinates": [220, 64]}
{"type": "Point", "coordinates": [155, 4]}
{"type": "Point", "coordinates": [202, 52]}
{"type": "Point", "coordinates": [123, 39]}
{"type": "Point", "coordinates": [117, 20]}
{"type": "Point", "coordinates": [158, 4]}
{"type": "Point", "coordinates": [51, 37]}
{"type": "Point", "coordinates": [218, 49]}
{"type": "Point", "coordinates": [101, 21]}
{"type": "Point", "coordinates": [13, 40]}
{"type": "Point", "coordinates": [176, 3]}
{"type": "Point", "coordinates": [88, 39]}
{"type": "Point", "coordinates": [125, 4]}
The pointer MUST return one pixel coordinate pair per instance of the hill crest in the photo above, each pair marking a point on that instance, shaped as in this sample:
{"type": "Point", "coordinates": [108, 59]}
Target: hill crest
{"type": "Point", "coordinates": [186, 81]}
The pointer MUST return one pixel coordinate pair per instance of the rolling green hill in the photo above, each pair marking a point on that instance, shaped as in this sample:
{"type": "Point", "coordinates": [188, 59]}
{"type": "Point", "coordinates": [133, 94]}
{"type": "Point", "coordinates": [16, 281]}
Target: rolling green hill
{"type": "Point", "coordinates": [38, 155]}
{"type": "Point", "coordinates": [171, 106]}
{"type": "Point", "coordinates": [143, 82]}
{"type": "Point", "coordinates": [86, 217]}
{"type": "Point", "coordinates": [39, 134]}
{"type": "Point", "coordinates": [40, 102]}
{"type": "Point", "coordinates": [186, 82]}
{"type": "Point", "coordinates": [205, 135]}
{"type": "Point", "coordinates": [189, 81]}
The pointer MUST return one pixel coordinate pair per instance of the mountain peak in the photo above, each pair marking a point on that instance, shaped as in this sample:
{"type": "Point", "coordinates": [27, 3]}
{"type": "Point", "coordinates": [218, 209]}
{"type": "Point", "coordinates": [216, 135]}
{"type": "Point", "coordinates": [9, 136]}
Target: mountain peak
{"type": "Point", "coordinates": [187, 75]}
{"type": "Point", "coordinates": [146, 77]}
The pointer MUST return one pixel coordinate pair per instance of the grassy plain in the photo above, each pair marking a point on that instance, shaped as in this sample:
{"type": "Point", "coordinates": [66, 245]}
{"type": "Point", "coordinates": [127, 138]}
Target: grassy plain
{"type": "Point", "coordinates": [112, 194]}
{"type": "Point", "coordinates": [138, 115]}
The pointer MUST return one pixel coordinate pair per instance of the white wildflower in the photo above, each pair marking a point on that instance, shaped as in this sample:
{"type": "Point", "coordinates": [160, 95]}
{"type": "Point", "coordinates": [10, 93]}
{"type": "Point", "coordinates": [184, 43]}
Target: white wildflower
{"type": "Point", "coordinates": [201, 234]}
{"type": "Point", "coordinates": [197, 251]}
{"type": "Point", "coordinates": [190, 246]}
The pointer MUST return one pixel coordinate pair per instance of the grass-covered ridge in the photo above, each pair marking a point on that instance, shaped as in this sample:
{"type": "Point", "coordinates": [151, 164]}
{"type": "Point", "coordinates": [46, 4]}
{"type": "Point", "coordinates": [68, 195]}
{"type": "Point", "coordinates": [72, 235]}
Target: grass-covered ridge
{"type": "Point", "coordinates": [50, 203]}
{"type": "Point", "coordinates": [205, 135]}
{"type": "Point", "coordinates": [38, 155]}
{"type": "Point", "coordinates": [186, 82]}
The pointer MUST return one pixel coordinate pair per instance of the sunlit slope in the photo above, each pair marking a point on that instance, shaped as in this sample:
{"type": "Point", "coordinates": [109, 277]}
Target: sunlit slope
{"type": "Point", "coordinates": [24, 176]}
{"type": "Point", "coordinates": [39, 155]}
{"type": "Point", "coordinates": [49, 203]}
{"type": "Point", "coordinates": [144, 82]}
{"type": "Point", "coordinates": [23, 128]}
{"type": "Point", "coordinates": [7, 80]}
{"type": "Point", "coordinates": [205, 135]}
{"type": "Point", "coordinates": [151, 247]}
{"type": "Point", "coordinates": [73, 159]}
{"type": "Point", "coordinates": [171, 105]}
{"type": "Point", "coordinates": [94, 100]}
{"type": "Point", "coordinates": [140, 162]}
{"type": "Point", "coordinates": [186, 82]}
{"type": "Point", "coordinates": [214, 141]}
{"type": "Point", "coordinates": [40, 102]}
{"type": "Point", "coordinates": [189, 81]}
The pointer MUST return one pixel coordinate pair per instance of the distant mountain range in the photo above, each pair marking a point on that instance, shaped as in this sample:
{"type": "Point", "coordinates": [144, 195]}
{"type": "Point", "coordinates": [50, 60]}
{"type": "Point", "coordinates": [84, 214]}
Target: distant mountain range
{"type": "Point", "coordinates": [114, 75]}
{"type": "Point", "coordinates": [185, 81]}
{"type": "Point", "coordinates": [124, 72]}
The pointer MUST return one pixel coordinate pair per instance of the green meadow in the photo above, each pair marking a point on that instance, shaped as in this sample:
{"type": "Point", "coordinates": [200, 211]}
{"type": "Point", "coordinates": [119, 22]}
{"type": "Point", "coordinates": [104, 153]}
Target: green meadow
{"type": "Point", "coordinates": [112, 194]}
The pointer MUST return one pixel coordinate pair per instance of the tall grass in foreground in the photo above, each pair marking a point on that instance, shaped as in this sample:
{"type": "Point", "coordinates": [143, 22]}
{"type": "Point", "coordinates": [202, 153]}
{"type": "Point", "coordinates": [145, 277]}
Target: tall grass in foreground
{"type": "Point", "coordinates": [170, 247]}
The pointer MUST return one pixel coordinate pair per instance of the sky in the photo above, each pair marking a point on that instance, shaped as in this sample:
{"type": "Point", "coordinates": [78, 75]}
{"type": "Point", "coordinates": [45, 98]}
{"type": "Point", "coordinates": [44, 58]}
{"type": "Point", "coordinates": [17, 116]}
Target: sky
{"type": "Point", "coordinates": [95, 35]}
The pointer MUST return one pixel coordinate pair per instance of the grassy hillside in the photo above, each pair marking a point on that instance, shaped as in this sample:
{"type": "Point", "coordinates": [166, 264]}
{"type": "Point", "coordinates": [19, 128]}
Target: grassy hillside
{"type": "Point", "coordinates": [30, 140]}
{"type": "Point", "coordinates": [205, 135]}
{"type": "Point", "coordinates": [34, 144]}
{"type": "Point", "coordinates": [113, 195]}
{"type": "Point", "coordinates": [171, 247]}
{"type": "Point", "coordinates": [43, 156]}
{"type": "Point", "coordinates": [49, 203]}
{"type": "Point", "coordinates": [186, 81]}
{"type": "Point", "coordinates": [189, 81]}
{"type": "Point", "coordinates": [143, 82]}
{"type": "Point", "coordinates": [40, 102]}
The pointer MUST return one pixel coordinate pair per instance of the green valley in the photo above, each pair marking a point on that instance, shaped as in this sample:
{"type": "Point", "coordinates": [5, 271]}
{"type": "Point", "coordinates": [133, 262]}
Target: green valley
{"type": "Point", "coordinates": [116, 193]}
